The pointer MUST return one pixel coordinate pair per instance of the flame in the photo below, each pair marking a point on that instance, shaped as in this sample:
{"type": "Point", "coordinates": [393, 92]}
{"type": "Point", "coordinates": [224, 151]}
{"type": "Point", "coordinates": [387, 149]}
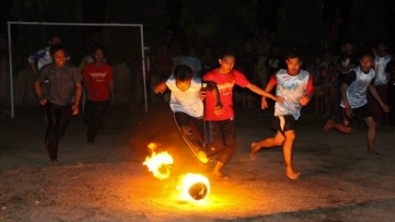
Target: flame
{"type": "Point", "coordinates": [194, 187]}
{"type": "Point", "coordinates": [158, 163]}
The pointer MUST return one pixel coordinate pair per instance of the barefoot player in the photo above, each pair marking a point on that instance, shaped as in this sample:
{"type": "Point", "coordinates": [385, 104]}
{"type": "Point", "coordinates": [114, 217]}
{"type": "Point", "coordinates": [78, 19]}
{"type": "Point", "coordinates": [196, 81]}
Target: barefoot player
{"type": "Point", "coordinates": [296, 87]}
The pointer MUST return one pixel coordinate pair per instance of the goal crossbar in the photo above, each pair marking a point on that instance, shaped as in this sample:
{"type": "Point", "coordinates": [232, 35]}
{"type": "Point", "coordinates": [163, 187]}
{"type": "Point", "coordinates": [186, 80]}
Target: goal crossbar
{"type": "Point", "coordinates": [9, 23]}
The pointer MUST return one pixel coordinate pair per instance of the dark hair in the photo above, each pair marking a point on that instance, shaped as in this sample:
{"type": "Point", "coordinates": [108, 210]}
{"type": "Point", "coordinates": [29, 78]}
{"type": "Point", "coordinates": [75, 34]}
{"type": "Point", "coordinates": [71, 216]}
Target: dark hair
{"type": "Point", "coordinates": [98, 47]}
{"type": "Point", "coordinates": [293, 54]}
{"type": "Point", "coordinates": [366, 53]}
{"type": "Point", "coordinates": [53, 35]}
{"type": "Point", "coordinates": [226, 52]}
{"type": "Point", "coordinates": [55, 48]}
{"type": "Point", "coordinates": [183, 73]}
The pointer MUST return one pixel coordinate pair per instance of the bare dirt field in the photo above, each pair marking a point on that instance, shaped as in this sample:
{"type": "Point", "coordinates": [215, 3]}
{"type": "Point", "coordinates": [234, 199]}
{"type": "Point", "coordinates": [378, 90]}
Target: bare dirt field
{"type": "Point", "coordinates": [108, 182]}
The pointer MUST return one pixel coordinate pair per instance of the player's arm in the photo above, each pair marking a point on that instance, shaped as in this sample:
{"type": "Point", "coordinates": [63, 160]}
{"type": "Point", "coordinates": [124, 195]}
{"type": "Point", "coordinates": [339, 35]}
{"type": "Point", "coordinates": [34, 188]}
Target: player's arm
{"type": "Point", "coordinates": [76, 105]}
{"type": "Point", "coordinates": [160, 87]}
{"type": "Point", "coordinates": [305, 99]}
{"type": "Point", "coordinates": [269, 87]}
{"type": "Point", "coordinates": [212, 86]}
{"type": "Point", "coordinates": [260, 91]}
{"type": "Point", "coordinates": [351, 77]}
{"type": "Point", "coordinates": [376, 96]}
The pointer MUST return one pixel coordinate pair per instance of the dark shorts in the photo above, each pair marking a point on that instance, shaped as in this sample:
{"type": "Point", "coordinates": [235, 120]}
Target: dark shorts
{"type": "Point", "coordinates": [359, 114]}
{"type": "Point", "coordinates": [283, 123]}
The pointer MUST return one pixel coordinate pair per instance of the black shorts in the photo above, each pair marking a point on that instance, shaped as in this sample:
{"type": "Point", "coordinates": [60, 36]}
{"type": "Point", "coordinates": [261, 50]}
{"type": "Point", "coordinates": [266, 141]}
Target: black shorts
{"type": "Point", "coordinates": [359, 114]}
{"type": "Point", "coordinates": [283, 123]}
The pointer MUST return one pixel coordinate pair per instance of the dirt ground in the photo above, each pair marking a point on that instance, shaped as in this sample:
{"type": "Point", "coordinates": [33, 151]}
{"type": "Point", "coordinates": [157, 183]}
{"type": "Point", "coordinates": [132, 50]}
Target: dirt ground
{"type": "Point", "coordinates": [108, 182]}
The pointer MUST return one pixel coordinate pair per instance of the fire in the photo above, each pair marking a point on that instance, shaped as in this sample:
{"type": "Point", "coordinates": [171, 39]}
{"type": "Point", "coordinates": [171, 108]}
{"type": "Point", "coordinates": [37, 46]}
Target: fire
{"type": "Point", "coordinates": [158, 163]}
{"type": "Point", "coordinates": [194, 187]}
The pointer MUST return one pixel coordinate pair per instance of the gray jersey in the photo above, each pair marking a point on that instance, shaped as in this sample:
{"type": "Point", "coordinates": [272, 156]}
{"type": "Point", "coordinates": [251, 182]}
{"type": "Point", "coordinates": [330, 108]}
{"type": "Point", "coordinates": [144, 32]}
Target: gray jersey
{"type": "Point", "coordinates": [379, 67]}
{"type": "Point", "coordinates": [358, 83]}
{"type": "Point", "coordinates": [291, 88]}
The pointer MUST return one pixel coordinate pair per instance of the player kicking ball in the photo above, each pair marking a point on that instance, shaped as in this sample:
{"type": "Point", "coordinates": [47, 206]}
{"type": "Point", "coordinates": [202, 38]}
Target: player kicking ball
{"type": "Point", "coordinates": [188, 108]}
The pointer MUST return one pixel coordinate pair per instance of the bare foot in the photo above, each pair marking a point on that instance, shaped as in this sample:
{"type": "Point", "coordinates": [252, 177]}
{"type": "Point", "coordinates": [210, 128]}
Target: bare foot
{"type": "Point", "coordinates": [254, 150]}
{"type": "Point", "coordinates": [373, 152]}
{"type": "Point", "coordinates": [328, 126]}
{"type": "Point", "coordinates": [220, 175]}
{"type": "Point", "coordinates": [292, 175]}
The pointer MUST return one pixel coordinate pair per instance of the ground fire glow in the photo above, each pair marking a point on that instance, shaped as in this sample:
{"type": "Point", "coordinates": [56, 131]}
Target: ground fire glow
{"type": "Point", "coordinates": [194, 187]}
{"type": "Point", "coordinates": [158, 163]}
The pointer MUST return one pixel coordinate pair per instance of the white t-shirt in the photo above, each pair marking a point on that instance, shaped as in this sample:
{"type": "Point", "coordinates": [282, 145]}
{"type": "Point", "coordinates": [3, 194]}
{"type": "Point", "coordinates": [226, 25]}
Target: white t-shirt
{"type": "Point", "coordinates": [188, 101]}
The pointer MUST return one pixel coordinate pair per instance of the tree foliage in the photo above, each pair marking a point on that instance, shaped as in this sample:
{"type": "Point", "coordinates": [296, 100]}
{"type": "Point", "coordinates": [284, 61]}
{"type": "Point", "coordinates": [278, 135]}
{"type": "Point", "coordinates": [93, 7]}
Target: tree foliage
{"type": "Point", "coordinates": [220, 23]}
{"type": "Point", "coordinates": [368, 22]}
{"type": "Point", "coordinates": [301, 25]}
{"type": "Point", "coordinates": [125, 42]}
{"type": "Point", "coordinates": [29, 38]}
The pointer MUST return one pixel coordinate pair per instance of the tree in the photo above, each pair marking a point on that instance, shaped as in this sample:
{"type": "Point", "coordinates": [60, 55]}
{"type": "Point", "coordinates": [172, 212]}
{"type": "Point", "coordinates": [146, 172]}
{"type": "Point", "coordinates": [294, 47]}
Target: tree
{"type": "Point", "coordinates": [369, 22]}
{"type": "Point", "coordinates": [221, 23]}
{"type": "Point", "coordinates": [125, 42]}
{"type": "Point", "coordinates": [301, 25]}
{"type": "Point", "coordinates": [28, 38]}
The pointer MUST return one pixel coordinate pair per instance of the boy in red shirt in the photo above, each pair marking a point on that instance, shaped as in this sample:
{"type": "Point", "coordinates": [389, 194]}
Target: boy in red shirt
{"type": "Point", "coordinates": [99, 86]}
{"type": "Point", "coordinates": [221, 129]}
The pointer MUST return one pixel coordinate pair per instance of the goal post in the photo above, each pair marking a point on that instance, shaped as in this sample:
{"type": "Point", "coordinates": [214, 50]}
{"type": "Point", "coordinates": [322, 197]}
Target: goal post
{"type": "Point", "coordinates": [9, 23]}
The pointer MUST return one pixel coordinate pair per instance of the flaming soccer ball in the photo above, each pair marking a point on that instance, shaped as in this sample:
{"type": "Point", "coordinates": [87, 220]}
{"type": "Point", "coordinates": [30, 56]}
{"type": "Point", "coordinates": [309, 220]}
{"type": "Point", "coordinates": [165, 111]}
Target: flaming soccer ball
{"type": "Point", "coordinates": [195, 187]}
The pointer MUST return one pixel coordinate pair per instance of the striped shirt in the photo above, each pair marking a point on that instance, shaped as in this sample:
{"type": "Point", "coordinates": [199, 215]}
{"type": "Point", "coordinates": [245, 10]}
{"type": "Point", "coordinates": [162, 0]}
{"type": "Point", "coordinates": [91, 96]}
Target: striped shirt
{"type": "Point", "coordinates": [61, 82]}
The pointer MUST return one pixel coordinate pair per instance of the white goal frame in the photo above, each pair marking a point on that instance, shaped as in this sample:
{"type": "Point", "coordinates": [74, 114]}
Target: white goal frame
{"type": "Point", "coordinates": [9, 23]}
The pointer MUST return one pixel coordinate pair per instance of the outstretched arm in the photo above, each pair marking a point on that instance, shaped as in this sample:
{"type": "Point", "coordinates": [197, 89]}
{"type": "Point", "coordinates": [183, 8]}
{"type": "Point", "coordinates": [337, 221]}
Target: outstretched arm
{"type": "Point", "coordinates": [261, 92]}
{"type": "Point", "coordinates": [269, 87]}
{"type": "Point", "coordinates": [160, 88]}
{"type": "Point", "coordinates": [305, 99]}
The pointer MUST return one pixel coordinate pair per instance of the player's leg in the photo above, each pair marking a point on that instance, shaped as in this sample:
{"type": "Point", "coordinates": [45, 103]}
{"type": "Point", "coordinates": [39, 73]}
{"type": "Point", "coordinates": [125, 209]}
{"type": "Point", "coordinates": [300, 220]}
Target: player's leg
{"type": "Point", "coordinates": [344, 127]}
{"type": "Point", "coordinates": [371, 134]}
{"type": "Point", "coordinates": [287, 153]}
{"type": "Point", "coordinates": [270, 142]}
{"type": "Point", "coordinates": [184, 124]}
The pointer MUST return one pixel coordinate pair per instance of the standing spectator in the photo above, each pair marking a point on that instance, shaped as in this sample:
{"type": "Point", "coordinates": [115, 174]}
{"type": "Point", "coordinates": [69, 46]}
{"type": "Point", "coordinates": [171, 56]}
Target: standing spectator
{"type": "Point", "coordinates": [177, 56]}
{"type": "Point", "coordinates": [296, 87]}
{"type": "Point", "coordinates": [99, 87]}
{"type": "Point", "coordinates": [163, 63]}
{"type": "Point", "coordinates": [248, 60]}
{"type": "Point", "coordinates": [317, 70]}
{"type": "Point", "coordinates": [391, 91]}
{"type": "Point", "coordinates": [380, 82]}
{"type": "Point", "coordinates": [275, 61]}
{"type": "Point", "coordinates": [330, 90]}
{"type": "Point", "coordinates": [62, 100]}
{"type": "Point", "coordinates": [221, 129]}
{"type": "Point", "coordinates": [346, 62]}
{"type": "Point", "coordinates": [192, 61]}
{"type": "Point", "coordinates": [208, 60]}
{"type": "Point", "coordinates": [354, 101]}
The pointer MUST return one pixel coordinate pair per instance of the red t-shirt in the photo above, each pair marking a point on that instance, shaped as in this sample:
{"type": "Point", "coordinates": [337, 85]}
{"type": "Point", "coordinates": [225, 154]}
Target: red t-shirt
{"type": "Point", "coordinates": [225, 85]}
{"type": "Point", "coordinates": [97, 79]}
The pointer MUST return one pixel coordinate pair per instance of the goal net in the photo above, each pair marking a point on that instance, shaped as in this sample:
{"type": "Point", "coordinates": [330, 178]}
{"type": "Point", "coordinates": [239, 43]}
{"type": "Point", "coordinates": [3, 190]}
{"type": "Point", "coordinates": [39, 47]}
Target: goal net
{"type": "Point", "coordinates": [124, 43]}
